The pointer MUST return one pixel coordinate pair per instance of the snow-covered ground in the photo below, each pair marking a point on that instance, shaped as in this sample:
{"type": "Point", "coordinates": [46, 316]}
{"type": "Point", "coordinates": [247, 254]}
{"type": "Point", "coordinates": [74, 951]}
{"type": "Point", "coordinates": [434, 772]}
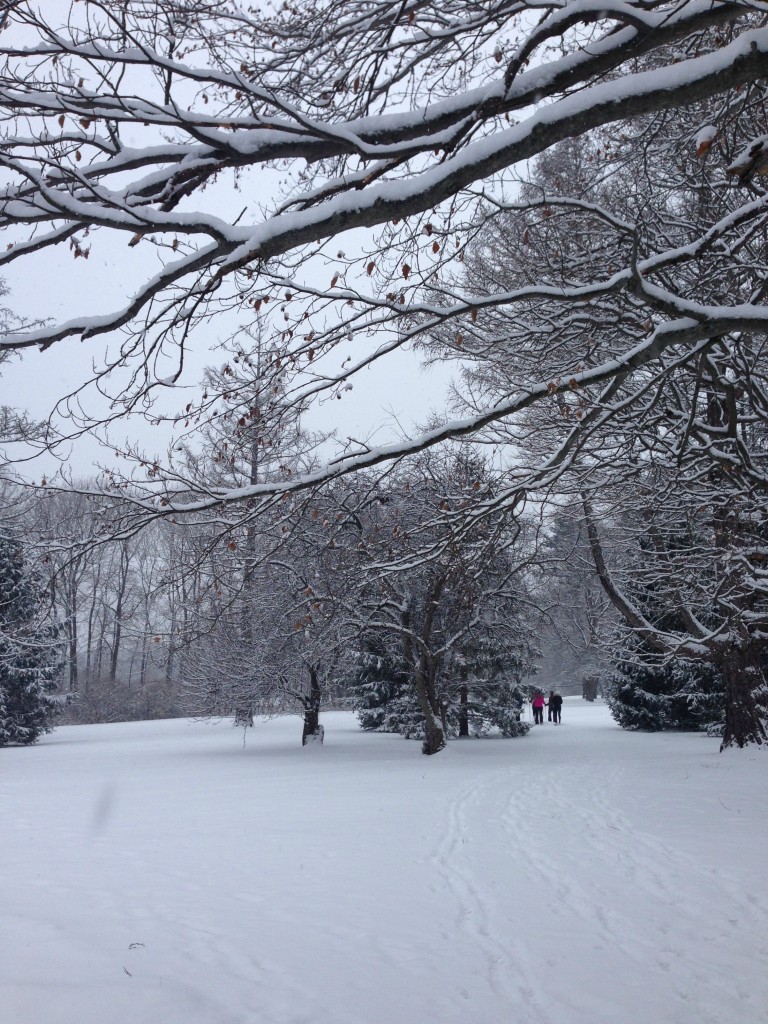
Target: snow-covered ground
{"type": "Point", "coordinates": [163, 873]}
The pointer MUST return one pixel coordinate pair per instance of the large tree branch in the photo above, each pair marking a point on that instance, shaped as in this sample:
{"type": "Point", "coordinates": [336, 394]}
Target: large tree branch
{"type": "Point", "coordinates": [662, 641]}
{"type": "Point", "coordinates": [236, 246]}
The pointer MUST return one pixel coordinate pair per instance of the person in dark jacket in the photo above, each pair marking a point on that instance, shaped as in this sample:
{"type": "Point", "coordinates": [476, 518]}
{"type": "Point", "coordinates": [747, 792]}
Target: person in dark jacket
{"type": "Point", "coordinates": [550, 716]}
{"type": "Point", "coordinates": [555, 707]}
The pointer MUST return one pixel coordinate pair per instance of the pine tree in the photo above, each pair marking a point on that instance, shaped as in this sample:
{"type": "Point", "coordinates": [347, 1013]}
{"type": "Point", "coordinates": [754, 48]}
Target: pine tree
{"type": "Point", "coordinates": [651, 696]}
{"type": "Point", "coordinates": [487, 695]}
{"type": "Point", "coordinates": [385, 700]}
{"type": "Point", "coordinates": [646, 691]}
{"type": "Point", "coordinates": [638, 695]}
{"type": "Point", "coordinates": [382, 693]}
{"type": "Point", "coordinates": [31, 654]}
{"type": "Point", "coordinates": [495, 705]}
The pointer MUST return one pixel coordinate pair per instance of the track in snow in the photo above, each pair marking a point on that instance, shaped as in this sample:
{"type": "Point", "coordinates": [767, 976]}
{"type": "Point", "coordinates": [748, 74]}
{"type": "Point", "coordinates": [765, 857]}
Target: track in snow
{"type": "Point", "coordinates": [581, 875]}
{"type": "Point", "coordinates": [549, 868]}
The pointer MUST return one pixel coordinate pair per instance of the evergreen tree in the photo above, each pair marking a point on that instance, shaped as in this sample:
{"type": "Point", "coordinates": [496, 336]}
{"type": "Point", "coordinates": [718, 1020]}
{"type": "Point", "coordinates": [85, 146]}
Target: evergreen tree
{"type": "Point", "coordinates": [491, 704]}
{"type": "Point", "coordinates": [382, 693]}
{"type": "Point", "coordinates": [651, 696]}
{"type": "Point", "coordinates": [31, 654]}
{"type": "Point", "coordinates": [644, 690]}
{"type": "Point", "coordinates": [698, 700]}
{"type": "Point", "coordinates": [487, 694]}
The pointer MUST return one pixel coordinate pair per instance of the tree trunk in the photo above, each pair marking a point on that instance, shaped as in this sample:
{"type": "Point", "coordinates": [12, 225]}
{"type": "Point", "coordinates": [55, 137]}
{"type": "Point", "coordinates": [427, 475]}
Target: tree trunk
{"type": "Point", "coordinates": [434, 728]}
{"type": "Point", "coordinates": [89, 643]}
{"type": "Point", "coordinates": [744, 696]}
{"type": "Point", "coordinates": [243, 716]}
{"type": "Point", "coordinates": [117, 630]}
{"type": "Point", "coordinates": [464, 710]}
{"type": "Point", "coordinates": [313, 731]}
{"type": "Point", "coordinates": [72, 629]}
{"type": "Point", "coordinates": [115, 652]}
{"type": "Point", "coordinates": [589, 688]}
{"type": "Point", "coordinates": [435, 736]}
{"type": "Point", "coordinates": [145, 646]}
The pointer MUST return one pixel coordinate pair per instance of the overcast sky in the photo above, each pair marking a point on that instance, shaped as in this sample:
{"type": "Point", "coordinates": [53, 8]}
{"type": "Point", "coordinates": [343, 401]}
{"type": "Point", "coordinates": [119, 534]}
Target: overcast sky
{"type": "Point", "coordinates": [386, 401]}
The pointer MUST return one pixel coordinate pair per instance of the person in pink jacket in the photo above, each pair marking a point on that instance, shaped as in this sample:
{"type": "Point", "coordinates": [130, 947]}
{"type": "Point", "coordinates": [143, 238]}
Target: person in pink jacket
{"type": "Point", "coordinates": [538, 704]}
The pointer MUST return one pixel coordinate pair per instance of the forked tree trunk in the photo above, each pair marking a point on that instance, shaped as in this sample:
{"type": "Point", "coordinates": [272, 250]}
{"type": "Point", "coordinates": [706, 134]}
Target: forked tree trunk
{"type": "Point", "coordinates": [434, 727]}
{"type": "Point", "coordinates": [424, 674]}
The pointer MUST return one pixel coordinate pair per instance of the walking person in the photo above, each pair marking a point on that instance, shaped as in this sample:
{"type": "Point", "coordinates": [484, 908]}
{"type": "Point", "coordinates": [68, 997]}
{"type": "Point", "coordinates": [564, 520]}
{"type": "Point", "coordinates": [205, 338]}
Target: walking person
{"type": "Point", "coordinates": [538, 704]}
{"type": "Point", "coordinates": [549, 705]}
{"type": "Point", "coordinates": [555, 707]}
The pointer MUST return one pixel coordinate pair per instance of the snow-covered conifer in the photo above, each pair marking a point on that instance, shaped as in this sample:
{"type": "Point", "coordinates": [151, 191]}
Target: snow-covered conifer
{"type": "Point", "coordinates": [31, 654]}
{"type": "Point", "coordinates": [674, 695]}
{"type": "Point", "coordinates": [380, 691]}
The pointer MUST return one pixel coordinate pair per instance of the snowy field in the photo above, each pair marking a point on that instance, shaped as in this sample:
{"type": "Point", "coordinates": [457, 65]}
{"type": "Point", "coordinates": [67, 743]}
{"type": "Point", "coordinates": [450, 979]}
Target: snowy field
{"type": "Point", "coordinates": [163, 873]}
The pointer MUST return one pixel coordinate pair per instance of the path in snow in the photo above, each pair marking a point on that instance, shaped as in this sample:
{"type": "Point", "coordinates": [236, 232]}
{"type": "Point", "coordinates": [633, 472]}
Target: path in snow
{"type": "Point", "coordinates": [163, 873]}
{"type": "Point", "coordinates": [609, 884]}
